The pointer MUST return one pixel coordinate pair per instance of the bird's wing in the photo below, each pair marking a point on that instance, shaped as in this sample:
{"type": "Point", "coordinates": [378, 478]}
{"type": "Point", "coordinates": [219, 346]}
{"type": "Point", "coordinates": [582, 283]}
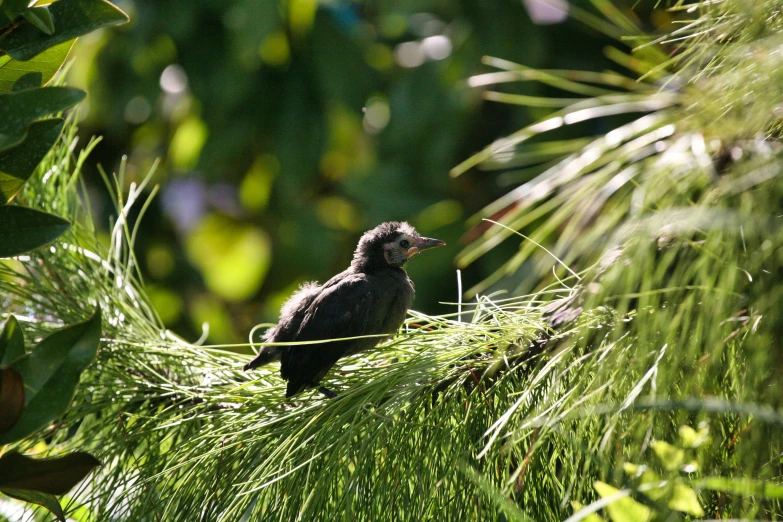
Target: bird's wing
{"type": "Point", "coordinates": [341, 309]}
{"type": "Point", "coordinates": [292, 314]}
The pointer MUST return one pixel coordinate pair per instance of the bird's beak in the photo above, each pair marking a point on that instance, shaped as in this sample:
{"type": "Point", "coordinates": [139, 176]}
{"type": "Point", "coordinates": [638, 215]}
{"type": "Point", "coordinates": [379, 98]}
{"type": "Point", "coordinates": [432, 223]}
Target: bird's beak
{"type": "Point", "coordinates": [423, 243]}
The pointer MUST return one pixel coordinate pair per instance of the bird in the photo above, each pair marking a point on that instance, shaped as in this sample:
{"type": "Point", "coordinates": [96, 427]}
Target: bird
{"type": "Point", "coordinates": [371, 297]}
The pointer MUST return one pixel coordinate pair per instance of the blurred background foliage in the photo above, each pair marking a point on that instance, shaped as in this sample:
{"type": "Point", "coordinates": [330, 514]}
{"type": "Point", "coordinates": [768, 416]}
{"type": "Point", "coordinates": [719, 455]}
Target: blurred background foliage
{"type": "Point", "coordinates": [286, 128]}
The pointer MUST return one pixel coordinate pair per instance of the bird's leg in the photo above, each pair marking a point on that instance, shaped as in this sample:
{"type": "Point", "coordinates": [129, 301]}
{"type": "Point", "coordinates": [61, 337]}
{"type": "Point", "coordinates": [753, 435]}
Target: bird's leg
{"type": "Point", "coordinates": [326, 391]}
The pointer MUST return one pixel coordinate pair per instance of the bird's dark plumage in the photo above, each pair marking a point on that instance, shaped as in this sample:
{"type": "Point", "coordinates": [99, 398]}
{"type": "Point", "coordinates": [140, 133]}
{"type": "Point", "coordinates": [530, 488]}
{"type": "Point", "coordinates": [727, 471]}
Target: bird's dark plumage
{"type": "Point", "coordinates": [371, 297]}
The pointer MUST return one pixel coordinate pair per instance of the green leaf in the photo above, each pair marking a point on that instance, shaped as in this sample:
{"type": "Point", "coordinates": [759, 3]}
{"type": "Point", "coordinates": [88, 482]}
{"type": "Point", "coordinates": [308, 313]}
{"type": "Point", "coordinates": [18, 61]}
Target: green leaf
{"type": "Point", "coordinates": [624, 508]}
{"type": "Point", "coordinates": [36, 72]}
{"type": "Point", "coordinates": [51, 373]}
{"type": "Point", "coordinates": [11, 398]}
{"type": "Point", "coordinates": [684, 499]}
{"type": "Point", "coordinates": [42, 499]}
{"type": "Point", "coordinates": [19, 109]}
{"type": "Point", "coordinates": [11, 342]}
{"type": "Point", "coordinates": [54, 476]}
{"type": "Point", "coordinates": [23, 229]}
{"type": "Point", "coordinates": [41, 18]}
{"type": "Point", "coordinates": [74, 18]}
{"type": "Point", "coordinates": [742, 486]}
{"type": "Point", "coordinates": [693, 439]}
{"type": "Point", "coordinates": [19, 162]}
{"type": "Point", "coordinates": [671, 457]}
{"type": "Point", "coordinates": [13, 8]}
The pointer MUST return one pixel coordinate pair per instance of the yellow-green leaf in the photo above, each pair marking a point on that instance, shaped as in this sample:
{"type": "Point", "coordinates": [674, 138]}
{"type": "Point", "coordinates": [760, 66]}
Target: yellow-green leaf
{"type": "Point", "coordinates": [685, 499]}
{"type": "Point", "coordinates": [624, 508]}
{"type": "Point", "coordinates": [671, 457]}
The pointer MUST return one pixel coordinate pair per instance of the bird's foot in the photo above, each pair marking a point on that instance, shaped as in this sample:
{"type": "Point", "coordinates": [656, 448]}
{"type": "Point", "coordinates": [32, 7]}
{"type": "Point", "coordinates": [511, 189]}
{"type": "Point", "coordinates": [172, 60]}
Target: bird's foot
{"type": "Point", "coordinates": [326, 391]}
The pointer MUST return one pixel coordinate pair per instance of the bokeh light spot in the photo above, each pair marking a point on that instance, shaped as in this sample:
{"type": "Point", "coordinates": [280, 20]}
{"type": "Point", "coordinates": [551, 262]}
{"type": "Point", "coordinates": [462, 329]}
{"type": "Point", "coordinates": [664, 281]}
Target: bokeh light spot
{"type": "Point", "coordinates": [256, 186]}
{"type": "Point", "coordinates": [338, 213]}
{"type": "Point", "coordinates": [137, 110]}
{"type": "Point", "coordinates": [547, 12]}
{"type": "Point", "coordinates": [409, 54]}
{"type": "Point", "coordinates": [233, 257]}
{"type": "Point", "coordinates": [274, 50]}
{"type": "Point", "coordinates": [436, 47]}
{"type": "Point", "coordinates": [187, 142]}
{"type": "Point", "coordinates": [160, 261]}
{"type": "Point", "coordinates": [173, 79]}
{"type": "Point", "coordinates": [376, 115]}
{"type": "Point", "coordinates": [167, 303]}
{"type": "Point", "coordinates": [379, 56]}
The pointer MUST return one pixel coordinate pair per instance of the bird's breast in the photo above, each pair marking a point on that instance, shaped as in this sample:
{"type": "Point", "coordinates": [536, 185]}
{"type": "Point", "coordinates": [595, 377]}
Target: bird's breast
{"type": "Point", "coordinates": [399, 301]}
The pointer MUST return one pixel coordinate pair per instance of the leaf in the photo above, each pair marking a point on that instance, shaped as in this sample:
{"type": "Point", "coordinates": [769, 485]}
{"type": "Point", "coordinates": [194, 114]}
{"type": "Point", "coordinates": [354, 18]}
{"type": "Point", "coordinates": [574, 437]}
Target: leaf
{"type": "Point", "coordinates": [74, 18]}
{"type": "Point", "coordinates": [11, 342]}
{"type": "Point", "coordinates": [684, 499]}
{"type": "Point", "coordinates": [671, 457]}
{"type": "Point", "coordinates": [624, 509]}
{"type": "Point", "coordinates": [19, 109]}
{"type": "Point", "coordinates": [54, 476]}
{"type": "Point", "coordinates": [13, 8]}
{"type": "Point", "coordinates": [51, 373]}
{"type": "Point", "coordinates": [19, 162]}
{"type": "Point", "coordinates": [11, 398]}
{"type": "Point", "coordinates": [742, 486]}
{"type": "Point", "coordinates": [41, 18]}
{"type": "Point", "coordinates": [36, 72]}
{"type": "Point", "coordinates": [693, 439]}
{"type": "Point", "coordinates": [23, 229]}
{"type": "Point", "coordinates": [42, 499]}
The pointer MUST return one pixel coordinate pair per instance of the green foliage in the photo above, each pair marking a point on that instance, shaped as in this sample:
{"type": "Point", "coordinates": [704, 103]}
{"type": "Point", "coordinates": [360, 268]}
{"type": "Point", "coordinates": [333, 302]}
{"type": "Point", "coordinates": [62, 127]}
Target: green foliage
{"type": "Point", "coordinates": [20, 108]}
{"type": "Point", "coordinates": [52, 476]}
{"type": "Point", "coordinates": [19, 162]}
{"type": "Point", "coordinates": [73, 18]}
{"type": "Point", "coordinates": [11, 342]}
{"type": "Point", "coordinates": [36, 387]}
{"type": "Point", "coordinates": [269, 132]}
{"type": "Point", "coordinates": [50, 373]}
{"type": "Point", "coordinates": [23, 229]}
{"type": "Point", "coordinates": [35, 497]}
{"type": "Point", "coordinates": [16, 75]}
{"type": "Point", "coordinates": [654, 257]}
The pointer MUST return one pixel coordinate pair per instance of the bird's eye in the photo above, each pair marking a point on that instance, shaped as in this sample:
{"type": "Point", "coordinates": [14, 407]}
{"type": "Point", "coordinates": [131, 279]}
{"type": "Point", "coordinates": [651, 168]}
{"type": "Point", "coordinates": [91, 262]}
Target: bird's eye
{"type": "Point", "coordinates": [405, 243]}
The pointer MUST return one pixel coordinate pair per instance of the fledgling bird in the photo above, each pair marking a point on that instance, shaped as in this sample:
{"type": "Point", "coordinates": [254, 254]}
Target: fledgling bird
{"type": "Point", "coordinates": [371, 297]}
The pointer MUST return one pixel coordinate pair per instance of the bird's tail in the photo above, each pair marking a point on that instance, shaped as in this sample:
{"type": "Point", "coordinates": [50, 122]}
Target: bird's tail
{"type": "Point", "coordinates": [267, 355]}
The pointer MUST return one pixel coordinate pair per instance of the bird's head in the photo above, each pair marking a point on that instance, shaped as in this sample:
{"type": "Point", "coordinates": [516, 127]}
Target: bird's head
{"type": "Point", "coordinates": [390, 244]}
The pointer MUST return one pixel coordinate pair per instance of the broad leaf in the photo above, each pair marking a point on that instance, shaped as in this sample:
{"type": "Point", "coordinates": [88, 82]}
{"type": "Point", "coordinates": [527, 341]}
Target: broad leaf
{"type": "Point", "coordinates": [19, 109]}
{"type": "Point", "coordinates": [72, 18]}
{"type": "Point", "coordinates": [685, 499]}
{"type": "Point", "coordinates": [11, 398]}
{"type": "Point", "coordinates": [19, 162]}
{"type": "Point", "coordinates": [13, 8]}
{"type": "Point", "coordinates": [36, 72]}
{"type": "Point", "coordinates": [41, 18]}
{"type": "Point", "coordinates": [23, 229]}
{"type": "Point", "coordinates": [42, 499]}
{"type": "Point", "coordinates": [623, 508]}
{"type": "Point", "coordinates": [11, 342]}
{"type": "Point", "coordinates": [51, 373]}
{"type": "Point", "coordinates": [671, 457]}
{"type": "Point", "coordinates": [54, 476]}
